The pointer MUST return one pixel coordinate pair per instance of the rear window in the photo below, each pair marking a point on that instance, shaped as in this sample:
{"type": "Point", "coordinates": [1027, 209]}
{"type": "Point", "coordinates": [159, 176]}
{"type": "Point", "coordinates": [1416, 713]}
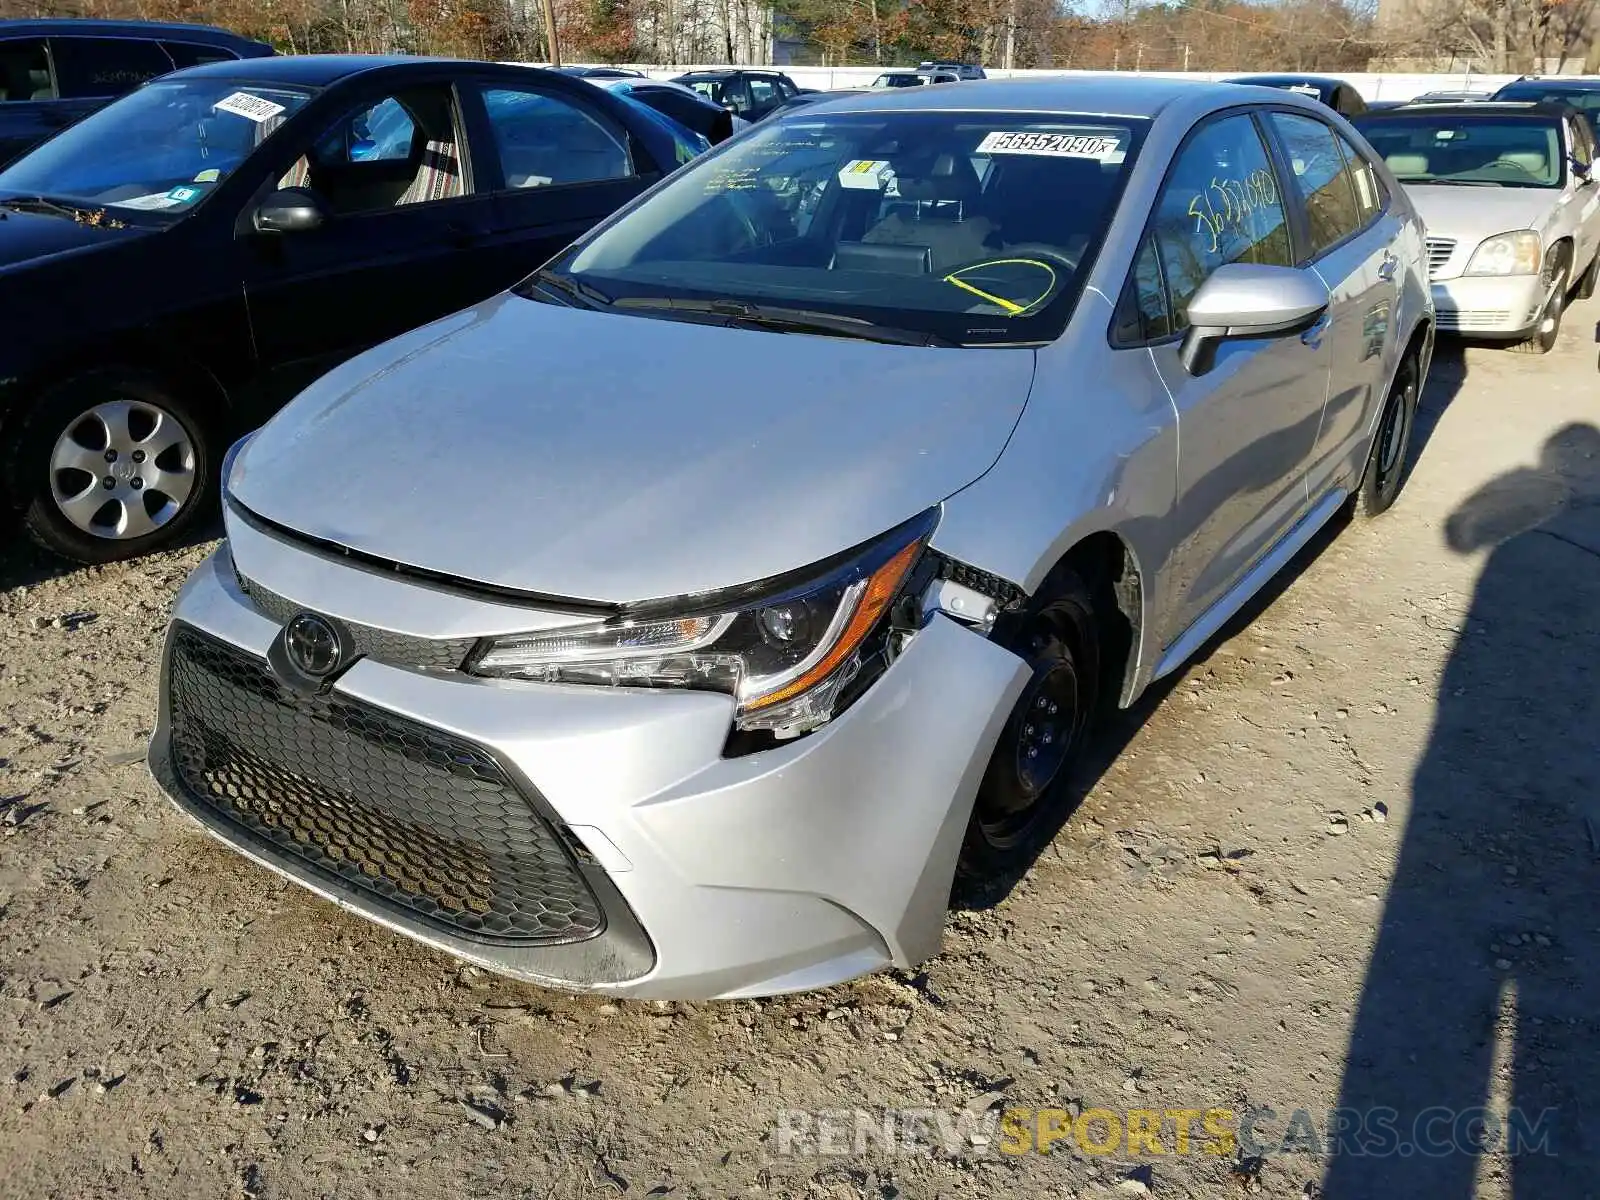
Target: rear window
{"type": "Point", "coordinates": [1469, 150]}
{"type": "Point", "coordinates": [977, 228]}
{"type": "Point", "coordinates": [94, 67]}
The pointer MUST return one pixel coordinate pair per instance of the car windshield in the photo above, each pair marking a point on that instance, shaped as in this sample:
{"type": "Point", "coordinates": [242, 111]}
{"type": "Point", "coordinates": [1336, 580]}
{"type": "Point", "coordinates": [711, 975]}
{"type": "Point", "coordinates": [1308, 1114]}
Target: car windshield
{"type": "Point", "coordinates": [975, 229]}
{"type": "Point", "coordinates": [899, 79]}
{"type": "Point", "coordinates": [711, 89]}
{"type": "Point", "coordinates": [1481, 150]}
{"type": "Point", "coordinates": [160, 149]}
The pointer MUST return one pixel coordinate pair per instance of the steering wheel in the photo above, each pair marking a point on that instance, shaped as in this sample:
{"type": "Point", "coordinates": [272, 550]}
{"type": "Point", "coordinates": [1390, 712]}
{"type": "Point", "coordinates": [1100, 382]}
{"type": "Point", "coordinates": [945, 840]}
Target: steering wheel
{"type": "Point", "coordinates": [1516, 166]}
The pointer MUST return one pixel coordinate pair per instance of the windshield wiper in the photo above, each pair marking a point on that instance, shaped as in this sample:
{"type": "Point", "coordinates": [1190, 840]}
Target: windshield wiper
{"type": "Point", "coordinates": [1433, 182]}
{"type": "Point", "coordinates": [83, 214]}
{"type": "Point", "coordinates": [790, 320]}
{"type": "Point", "coordinates": [574, 292]}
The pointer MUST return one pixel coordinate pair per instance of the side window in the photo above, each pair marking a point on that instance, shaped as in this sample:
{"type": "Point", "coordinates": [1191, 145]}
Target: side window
{"type": "Point", "coordinates": [189, 54]}
{"type": "Point", "coordinates": [25, 71]}
{"type": "Point", "coordinates": [1321, 177]}
{"type": "Point", "coordinates": [1143, 314]}
{"type": "Point", "coordinates": [404, 149]}
{"type": "Point", "coordinates": [1370, 197]}
{"type": "Point", "coordinates": [763, 92]}
{"type": "Point", "coordinates": [94, 67]}
{"type": "Point", "coordinates": [544, 140]}
{"type": "Point", "coordinates": [1220, 205]}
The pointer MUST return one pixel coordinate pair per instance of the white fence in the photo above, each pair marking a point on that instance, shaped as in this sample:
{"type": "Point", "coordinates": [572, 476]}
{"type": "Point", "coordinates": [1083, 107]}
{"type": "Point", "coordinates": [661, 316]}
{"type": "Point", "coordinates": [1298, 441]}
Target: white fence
{"type": "Point", "coordinates": [1371, 86]}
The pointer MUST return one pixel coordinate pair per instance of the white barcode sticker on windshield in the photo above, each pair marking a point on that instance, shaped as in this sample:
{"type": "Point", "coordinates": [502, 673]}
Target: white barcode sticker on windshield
{"type": "Point", "coordinates": [1102, 147]}
{"type": "Point", "coordinates": [1305, 89]}
{"type": "Point", "coordinates": [253, 108]}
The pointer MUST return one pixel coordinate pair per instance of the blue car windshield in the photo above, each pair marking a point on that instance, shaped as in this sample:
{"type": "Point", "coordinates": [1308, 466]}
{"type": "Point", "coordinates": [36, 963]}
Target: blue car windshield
{"type": "Point", "coordinates": [160, 149]}
{"type": "Point", "coordinates": [974, 228]}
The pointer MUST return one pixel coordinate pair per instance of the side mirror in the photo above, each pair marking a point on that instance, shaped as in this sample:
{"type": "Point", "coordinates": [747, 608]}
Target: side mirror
{"type": "Point", "coordinates": [1582, 173]}
{"type": "Point", "coordinates": [1248, 300]}
{"type": "Point", "coordinates": [290, 210]}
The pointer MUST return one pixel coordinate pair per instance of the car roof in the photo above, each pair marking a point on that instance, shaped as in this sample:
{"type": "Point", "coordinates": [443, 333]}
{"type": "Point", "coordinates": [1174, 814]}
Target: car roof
{"type": "Point", "coordinates": [1276, 79]}
{"type": "Point", "coordinates": [1090, 95]}
{"type": "Point", "coordinates": [170, 30]}
{"type": "Point", "coordinates": [1553, 82]}
{"type": "Point", "coordinates": [320, 70]}
{"type": "Point", "coordinates": [1474, 108]}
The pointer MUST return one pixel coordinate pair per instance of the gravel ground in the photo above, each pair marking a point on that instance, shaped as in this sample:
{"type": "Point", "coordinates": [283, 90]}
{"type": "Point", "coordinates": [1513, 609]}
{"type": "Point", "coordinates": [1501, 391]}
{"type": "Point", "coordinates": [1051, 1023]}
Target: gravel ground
{"type": "Point", "coordinates": [1348, 858]}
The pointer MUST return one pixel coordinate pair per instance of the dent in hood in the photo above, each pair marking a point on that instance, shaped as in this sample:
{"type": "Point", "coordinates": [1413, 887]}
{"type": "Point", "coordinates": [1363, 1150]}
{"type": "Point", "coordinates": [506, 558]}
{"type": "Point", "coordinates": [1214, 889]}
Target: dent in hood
{"type": "Point", "coordinates": [611, 458]}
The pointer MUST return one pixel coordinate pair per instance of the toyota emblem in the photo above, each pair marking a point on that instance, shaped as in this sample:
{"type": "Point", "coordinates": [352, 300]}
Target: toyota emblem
{"type": "Point", "coordinates": [312, 645]}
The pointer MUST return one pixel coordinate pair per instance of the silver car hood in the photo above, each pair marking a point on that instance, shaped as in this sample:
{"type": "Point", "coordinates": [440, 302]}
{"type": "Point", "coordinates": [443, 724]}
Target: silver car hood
{"type": "Point", "coordinates": [602, 457]}
{"type": "Point", "coordinates": [1470, 214]}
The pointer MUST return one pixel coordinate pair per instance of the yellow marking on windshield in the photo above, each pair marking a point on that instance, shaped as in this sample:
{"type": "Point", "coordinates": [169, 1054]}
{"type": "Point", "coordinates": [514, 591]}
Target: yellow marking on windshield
{"type": "Point", "coordinates": [1010, 307]}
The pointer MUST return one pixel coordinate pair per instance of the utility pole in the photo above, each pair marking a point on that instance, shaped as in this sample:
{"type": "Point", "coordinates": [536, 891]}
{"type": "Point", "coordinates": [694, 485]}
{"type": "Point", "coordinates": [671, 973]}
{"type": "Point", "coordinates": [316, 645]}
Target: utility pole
{"type": "Point", "coordinates": [1138, 58]}
{"type": "Point", "coordinates": [550, 31]}
{"type": "Point", "coordinates": [1011, 36]}
{"type": "Point", "coordinates": [1186, 56]}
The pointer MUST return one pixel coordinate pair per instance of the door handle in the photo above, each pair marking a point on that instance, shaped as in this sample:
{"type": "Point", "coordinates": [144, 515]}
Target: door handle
{"type": "Point", "coordinates": [1313, 337]}
{"type": "Point", "coordinates": [1387, 267]}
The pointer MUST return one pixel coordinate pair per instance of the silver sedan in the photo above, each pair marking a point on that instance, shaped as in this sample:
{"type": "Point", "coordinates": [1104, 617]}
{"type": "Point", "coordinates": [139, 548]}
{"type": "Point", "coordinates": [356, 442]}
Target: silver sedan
{"type": "Point", "coordinates": [682, 622]}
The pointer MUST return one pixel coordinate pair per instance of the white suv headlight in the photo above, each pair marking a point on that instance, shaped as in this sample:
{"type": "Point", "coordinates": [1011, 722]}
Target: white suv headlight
{"type": "Point", "coordinates": [785, 649]}
{"type": "Point", "coordinates": [1516, 253]}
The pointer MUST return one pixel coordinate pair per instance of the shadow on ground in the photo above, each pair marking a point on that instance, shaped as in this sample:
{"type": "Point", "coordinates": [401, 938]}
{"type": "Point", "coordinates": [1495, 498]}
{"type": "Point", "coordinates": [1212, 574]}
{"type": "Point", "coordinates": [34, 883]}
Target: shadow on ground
{"type": "Point", "coordinates": [1479, 997]}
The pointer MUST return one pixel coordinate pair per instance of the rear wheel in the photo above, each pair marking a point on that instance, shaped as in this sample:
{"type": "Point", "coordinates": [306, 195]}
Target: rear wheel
{"type": "Point", "coordinates": [111, 465]}
{"type": "Point", "coordinates": [1386, 463]}
{"type": "Point", "coordinates": [1026, 790]}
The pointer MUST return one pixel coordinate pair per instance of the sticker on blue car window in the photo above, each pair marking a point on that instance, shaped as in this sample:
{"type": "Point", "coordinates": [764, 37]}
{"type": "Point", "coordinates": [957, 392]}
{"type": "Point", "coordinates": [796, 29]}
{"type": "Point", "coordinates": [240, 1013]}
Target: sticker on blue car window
{"type": "Point", "coordinates": [184, 195]}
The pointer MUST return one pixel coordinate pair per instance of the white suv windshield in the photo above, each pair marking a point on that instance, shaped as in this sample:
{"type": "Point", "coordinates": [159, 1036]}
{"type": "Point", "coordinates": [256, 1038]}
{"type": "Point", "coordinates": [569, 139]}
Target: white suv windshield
{"type": "Point", "coordinates": [1469, 150]}
{"type": "Point", "coordinates": [159, 149]}
{"type": "Point", "coordinates": [971, 228]}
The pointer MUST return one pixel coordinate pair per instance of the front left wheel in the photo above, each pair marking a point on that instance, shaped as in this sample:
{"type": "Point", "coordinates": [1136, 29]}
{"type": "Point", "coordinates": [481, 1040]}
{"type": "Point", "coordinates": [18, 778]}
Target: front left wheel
{"type": "Point", "coordinates": [111, 465]}
{"type": "Point", "coordinates": [1026, 789]}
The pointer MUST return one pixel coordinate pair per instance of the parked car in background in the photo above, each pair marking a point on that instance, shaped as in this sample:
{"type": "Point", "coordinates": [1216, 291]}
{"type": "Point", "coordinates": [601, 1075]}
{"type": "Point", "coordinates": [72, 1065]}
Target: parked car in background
{"type": "Point", "coordinates": [750, 94]}
{"type": "Point", "coordinates": [806, 99]}
{"type": "Point", "coordinates": [894, 79]}
{"type": "Point", "coordinates": [55, 72]}
{"type": "Point", "coordinates": [1582, 93]}
{"type": "Point", "coordinates": [1456, 96]}
{"type": "Point", "coordinates": [682, 105]}
{"type": "Point", "coordinates": [1512, 206]}
{"type": "Point", "coordinates": [960, 70]}
{"type": "Point", "coordinates": [602, 72]}
{"type": "Point", "coordinates": [1335, 93]}
{"type": "Point", "coordinates": [180, 262]}
{"type": "Point", "coordinates": [1034, 386]}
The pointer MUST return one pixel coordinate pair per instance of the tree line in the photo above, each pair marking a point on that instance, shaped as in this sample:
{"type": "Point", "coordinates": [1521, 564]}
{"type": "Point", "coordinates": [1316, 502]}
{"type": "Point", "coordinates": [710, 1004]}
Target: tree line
{"type": "Point", "coordinates": [1196, 35]}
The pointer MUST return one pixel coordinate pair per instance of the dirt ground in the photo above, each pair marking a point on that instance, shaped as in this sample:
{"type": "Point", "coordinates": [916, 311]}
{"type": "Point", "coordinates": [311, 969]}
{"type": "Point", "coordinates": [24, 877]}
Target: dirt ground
{"type": "Point", "coordinates": [1347, 859]}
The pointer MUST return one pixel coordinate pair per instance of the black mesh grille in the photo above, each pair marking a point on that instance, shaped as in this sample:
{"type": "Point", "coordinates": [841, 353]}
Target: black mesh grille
{"type": "Point", "coordinates": [427, 822]}
{"type": "Point", "coordinates": [397, 649]}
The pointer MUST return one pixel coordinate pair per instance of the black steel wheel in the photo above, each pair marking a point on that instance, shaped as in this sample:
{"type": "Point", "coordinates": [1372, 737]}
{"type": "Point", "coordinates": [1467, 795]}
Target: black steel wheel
{"type": "Point", "coordinates": [1026, 791]}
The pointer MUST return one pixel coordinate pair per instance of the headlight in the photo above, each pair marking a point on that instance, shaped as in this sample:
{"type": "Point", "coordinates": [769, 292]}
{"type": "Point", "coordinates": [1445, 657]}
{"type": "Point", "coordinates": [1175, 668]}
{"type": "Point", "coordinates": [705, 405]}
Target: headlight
{"type": "Point", "coordinates": [1519, 253]}
{"type": "Point", "coordinates": [786, 650]}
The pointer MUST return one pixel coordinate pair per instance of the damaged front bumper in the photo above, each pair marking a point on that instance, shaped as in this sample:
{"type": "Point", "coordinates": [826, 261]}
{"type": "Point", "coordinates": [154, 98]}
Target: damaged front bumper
{"type": "Point", "coordinates": [672, 871]}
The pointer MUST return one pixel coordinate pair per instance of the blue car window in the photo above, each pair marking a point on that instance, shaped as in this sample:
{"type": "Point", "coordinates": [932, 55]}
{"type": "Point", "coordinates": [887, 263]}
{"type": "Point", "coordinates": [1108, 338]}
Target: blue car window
{"type": "Point", "coordinates": [544, 140]}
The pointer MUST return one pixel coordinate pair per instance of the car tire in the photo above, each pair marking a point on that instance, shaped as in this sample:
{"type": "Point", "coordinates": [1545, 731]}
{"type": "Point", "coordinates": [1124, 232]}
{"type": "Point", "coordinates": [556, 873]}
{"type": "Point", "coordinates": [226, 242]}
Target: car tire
{"type": "Point", "coordinates": [1548, 331]}
{"type": "Point", "coordinates": [1590, 280]}
{"type": "Point", "coordinates": [1391, 443]}
{"type": "Point", "coordinates": [1026, 790]}
{"type": "Point", "coordinates": [126, 426]}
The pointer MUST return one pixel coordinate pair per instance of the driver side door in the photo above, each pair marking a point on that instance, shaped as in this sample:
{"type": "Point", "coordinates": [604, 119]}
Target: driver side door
{"type": "Point", "coordinates": [404, 240]}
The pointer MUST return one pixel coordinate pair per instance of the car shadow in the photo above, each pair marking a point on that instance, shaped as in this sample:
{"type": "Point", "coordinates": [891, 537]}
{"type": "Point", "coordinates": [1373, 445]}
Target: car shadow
{"type": "Point", "coordinates": [1446, 377]}
{"type": "Point", "coordinates": [25, 564]}
{"type": "Point", "coordinates": [1475, 1033]}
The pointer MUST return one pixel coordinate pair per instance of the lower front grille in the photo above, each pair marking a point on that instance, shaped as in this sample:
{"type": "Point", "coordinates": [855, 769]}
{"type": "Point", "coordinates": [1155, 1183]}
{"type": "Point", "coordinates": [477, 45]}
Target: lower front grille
{"type": "Point", "coordinates": [423, 821]}
{"type": "Point", "coordinates": [1464, 320]}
